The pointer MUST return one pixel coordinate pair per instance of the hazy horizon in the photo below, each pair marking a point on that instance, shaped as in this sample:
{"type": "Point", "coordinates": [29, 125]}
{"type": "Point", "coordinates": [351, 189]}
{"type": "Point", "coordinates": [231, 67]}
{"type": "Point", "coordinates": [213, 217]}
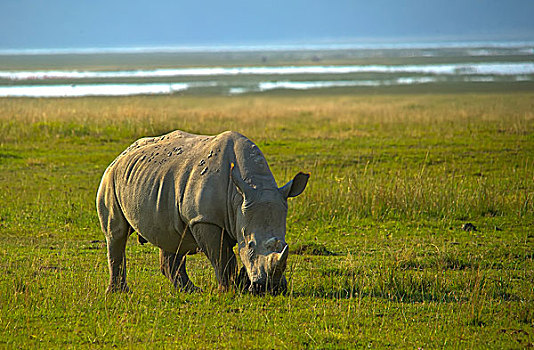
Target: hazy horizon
{"type": "Point", "coordinates": [56, 24]}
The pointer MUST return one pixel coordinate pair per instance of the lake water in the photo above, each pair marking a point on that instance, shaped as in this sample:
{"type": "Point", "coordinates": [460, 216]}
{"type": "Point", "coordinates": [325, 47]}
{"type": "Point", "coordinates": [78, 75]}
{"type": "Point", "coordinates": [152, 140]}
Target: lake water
{"type": "Point", "coordinates": [480, 63]}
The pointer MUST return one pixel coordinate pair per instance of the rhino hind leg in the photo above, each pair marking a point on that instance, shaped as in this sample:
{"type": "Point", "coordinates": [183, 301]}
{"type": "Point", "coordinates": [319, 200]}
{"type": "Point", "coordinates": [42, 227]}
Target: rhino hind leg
{"type": "Point", "coordinates": [116, 244]}
{"type": "Point", "coordinates": [116, 229]}
{"type": "Point", "coordinates": [218, 247]}
{"type": "Point", "coordinates": [173, 267]}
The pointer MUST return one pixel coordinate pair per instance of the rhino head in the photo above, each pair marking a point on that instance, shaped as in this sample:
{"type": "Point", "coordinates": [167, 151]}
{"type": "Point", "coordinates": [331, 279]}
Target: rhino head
{"type": "Point", "coordinates": [261, 230]}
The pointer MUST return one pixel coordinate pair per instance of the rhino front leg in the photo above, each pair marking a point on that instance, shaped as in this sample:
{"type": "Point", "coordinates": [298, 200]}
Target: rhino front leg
{"type": "Point", "coordinates": [218, 247]}
{"type": "Point", "coordinates": [173, 267]}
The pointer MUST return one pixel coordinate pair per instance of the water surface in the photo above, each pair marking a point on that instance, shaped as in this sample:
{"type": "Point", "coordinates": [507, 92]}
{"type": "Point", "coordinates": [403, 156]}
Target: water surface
{"type": "Point", "coordinates": [260, 78]}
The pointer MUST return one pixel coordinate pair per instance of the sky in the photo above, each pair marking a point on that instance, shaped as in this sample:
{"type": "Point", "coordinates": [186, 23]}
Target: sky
{"type": "Point", "coordinates": [45, 24]}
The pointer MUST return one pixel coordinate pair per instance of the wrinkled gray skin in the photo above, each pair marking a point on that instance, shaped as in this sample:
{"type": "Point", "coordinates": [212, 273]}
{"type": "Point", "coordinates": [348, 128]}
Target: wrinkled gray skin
{"type": "Point", "coordinates": [186, 193]}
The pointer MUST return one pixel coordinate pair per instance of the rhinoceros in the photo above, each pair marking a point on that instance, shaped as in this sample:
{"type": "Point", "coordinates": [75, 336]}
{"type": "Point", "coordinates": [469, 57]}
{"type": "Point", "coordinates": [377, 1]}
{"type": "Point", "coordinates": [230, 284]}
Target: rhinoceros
{"type": "Point", "coordinates": [187, 193]}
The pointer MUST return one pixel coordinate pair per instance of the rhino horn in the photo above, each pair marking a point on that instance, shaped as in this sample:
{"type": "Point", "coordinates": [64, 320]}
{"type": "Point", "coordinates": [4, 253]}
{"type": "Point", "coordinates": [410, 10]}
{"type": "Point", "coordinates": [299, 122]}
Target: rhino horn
{"type": "Point", "coordinates": [284, 254]}
{"type": "Point", "coordinates": [281, 260]}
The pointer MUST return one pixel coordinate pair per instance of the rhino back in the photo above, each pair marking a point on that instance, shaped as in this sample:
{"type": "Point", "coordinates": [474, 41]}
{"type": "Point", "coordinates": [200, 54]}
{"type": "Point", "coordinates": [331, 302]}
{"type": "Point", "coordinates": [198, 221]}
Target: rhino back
{"type": "Point", "coordinates": [166, 184]}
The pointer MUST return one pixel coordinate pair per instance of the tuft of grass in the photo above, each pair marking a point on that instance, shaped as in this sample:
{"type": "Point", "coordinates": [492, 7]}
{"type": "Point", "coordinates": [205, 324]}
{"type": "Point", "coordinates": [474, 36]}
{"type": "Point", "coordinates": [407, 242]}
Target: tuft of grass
{"type": "Point", "coordinates": [311, 249]}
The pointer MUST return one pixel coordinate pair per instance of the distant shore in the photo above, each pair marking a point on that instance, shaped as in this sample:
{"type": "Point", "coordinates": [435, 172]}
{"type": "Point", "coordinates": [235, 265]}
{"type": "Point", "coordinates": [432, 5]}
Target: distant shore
{"type": "Point", "coordinates": [362, 45]}
{"type": "Point", "coordinates": [231, 70]}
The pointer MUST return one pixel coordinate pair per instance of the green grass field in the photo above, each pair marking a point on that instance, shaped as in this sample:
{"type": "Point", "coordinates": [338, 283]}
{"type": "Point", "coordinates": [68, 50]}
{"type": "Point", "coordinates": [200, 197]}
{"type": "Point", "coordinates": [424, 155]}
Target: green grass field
{"type": "Point", "coordinates": [379, 257]}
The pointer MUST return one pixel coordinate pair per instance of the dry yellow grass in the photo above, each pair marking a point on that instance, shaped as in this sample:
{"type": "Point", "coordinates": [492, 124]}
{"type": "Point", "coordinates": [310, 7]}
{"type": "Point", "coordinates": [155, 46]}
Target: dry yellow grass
{"type": "Point", "coordinates": [263, 117]}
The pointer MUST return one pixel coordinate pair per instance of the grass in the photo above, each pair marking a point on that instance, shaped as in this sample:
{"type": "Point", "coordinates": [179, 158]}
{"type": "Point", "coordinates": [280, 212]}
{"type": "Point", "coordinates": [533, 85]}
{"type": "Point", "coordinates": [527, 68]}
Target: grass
{"type": "Point", "coordinates": [379, 255]}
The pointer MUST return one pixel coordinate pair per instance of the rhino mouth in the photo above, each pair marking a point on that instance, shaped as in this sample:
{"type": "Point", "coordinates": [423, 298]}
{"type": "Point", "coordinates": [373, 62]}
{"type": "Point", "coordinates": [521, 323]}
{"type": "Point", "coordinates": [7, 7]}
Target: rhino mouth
{"type": "Point", "coordinates": [263, 288]}
{"type": "Point", "coordinates": [260, 287]}
{"type": "Point", "coordinates": [268, 276]}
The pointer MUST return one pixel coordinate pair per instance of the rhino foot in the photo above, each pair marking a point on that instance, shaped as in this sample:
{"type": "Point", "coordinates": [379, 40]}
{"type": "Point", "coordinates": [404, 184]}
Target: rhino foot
{"type": "Point", "coordinates": [190, 288]}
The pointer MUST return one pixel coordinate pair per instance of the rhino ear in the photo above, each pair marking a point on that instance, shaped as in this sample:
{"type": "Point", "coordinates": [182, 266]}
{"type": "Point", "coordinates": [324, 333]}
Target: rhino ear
{"type": "Point", "coordinates": [296, 186]}
{"type": "Point", "coordinates": [242, 187]}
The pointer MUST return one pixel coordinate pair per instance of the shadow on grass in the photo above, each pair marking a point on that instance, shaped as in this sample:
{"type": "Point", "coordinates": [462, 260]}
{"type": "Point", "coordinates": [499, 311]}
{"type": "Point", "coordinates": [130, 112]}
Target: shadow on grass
{"type": "Point", "coordinates": [408, 291]}
{"type": "Point", "coordinates": [398, 285]}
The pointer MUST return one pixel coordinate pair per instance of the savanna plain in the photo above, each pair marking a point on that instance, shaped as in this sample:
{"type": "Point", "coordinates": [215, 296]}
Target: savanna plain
{"type": "Point", "coordinates": [416, 229]}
